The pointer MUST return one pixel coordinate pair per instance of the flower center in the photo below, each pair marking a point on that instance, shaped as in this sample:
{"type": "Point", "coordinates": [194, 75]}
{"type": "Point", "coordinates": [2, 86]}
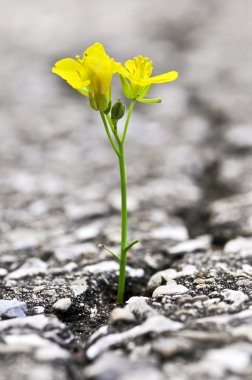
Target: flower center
{"type": "Point", "coordinates": [142, 67]}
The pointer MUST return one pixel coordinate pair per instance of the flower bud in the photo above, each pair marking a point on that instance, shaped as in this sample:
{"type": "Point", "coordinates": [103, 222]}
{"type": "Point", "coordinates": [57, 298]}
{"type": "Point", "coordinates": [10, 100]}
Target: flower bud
{"type": "Point", "coordinates": [99, 102]}
{"type": "Point", "coordinates": [118, 110]}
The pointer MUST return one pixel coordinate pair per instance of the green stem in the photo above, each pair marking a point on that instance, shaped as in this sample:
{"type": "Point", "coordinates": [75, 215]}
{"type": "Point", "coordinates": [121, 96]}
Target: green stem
{"type": "Point", "coordinates": [109, 135]}
{"type": "Point", "coordinates": [128, 119]}
{"type": "Point", "coordinates": [114, 129]}
{"type": "Point", "coordinates": [119, 150]}
{"type": "Point", "coordinates": [124, 225]}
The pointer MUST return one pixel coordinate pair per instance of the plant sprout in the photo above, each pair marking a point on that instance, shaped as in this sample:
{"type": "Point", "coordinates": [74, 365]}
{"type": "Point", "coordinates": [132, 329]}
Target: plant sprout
{"type": "Point", "coordinates": [91, 76]}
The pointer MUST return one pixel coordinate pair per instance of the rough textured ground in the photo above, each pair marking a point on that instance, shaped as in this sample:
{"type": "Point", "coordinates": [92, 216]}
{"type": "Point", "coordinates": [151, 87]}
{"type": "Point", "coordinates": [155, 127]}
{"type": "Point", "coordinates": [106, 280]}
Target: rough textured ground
{"type": "Point", "coordinates": [188, 313]}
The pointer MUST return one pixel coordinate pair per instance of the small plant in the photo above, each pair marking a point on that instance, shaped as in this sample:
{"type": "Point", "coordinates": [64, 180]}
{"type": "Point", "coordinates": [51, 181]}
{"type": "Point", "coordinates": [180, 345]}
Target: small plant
{"type": "Point", "coordinates": [91, 76]}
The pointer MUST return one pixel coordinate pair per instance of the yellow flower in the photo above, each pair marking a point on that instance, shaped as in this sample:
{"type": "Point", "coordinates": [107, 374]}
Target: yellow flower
{"type": "Point", "coordinates": [136, 79]}
{"type": "Point", "coordinates": [91, 75]}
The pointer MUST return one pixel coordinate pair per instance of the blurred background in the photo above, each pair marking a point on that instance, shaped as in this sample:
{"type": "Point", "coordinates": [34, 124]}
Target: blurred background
{"type": "Point", "coordinates": [183, 155]}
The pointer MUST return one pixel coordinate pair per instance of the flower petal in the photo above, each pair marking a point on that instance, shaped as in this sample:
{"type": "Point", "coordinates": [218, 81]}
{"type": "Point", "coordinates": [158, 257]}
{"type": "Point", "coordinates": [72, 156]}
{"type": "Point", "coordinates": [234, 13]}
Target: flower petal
{"type": "Point", "coordinates": [95, 50]}
{"type": "Point", "coordinates": [130, 65]}
{"type": "Point", "coordinates": [163, 78]}
{"type": "Point", "coordinates": [118, 68]}
{"type": "Point", "coordinates": [72, 71]}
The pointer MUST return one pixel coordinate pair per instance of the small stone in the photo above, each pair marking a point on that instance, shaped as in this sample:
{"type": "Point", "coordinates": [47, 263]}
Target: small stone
{"type": "Point", "coordinates": [7, 259]}
{"type": "Point", "coordinates": [15, 312]}
{"type": "Point", "coordinates": [247, 269]}
{"type": "Point", "coordinates": [160, 277]}
{"type": "Point", "coordinates": [210, 302]}
{"type": "Point", "coordinates": [35, 322]}
{"type": "Point", "coordinates": [240, 245]}
{"type": "Point", "coordinates": [219, 308]}
{"type": "Point", "coordinates": [146, 373]}
{"type": "Point", "coordinates": [170, 288]}
{"type": "Point", "coordinates": [62, 304]}
{"type": "Point", "coordinates": [103, 266]}
{"type": "Point", "coordinates": [156, 324]}
{"type": "Point", "coordinates": [199, 281]}
{"type": "Point", "coordinates": [39, 289]}
{"type": "Point", "coordinates": [115, 366]}
{"type": "Point", "coordinates": [36, 310]}
{"type": "Point", "coordinates": [50, 292]}
{"type": "Point", "coordinates": [68, 268]}
{"type": "Point", "coordinates": [51, 184]}
{"type": "Point", "coordinates": [202, 243]}
{"type": "Point", "coordinates": [12, 309]}
{"type": "Point", "coordinates": [3, 272]}
{"type": "Point", "coordinates": [246, 282]}
{"type": "Point", "coordinates": [170, 274]}
{"type": "Point", "coordinates": [24, 239]}
{"type": "Point", "coordinates": [233, 358]}
{"type": "Point", "coordinates": [80, 212]}
{"type": "Point", "coordinates": [121, 314]}
{"type": "Point", "coordinates": [236, 297]}
{"type": "Point", "coordinates": [168, 347]}
{"type": "Point", "coordinates": [24, 343]}
{"type": "Point", "coordinates": [201, 298]}
{"type": "Point", "coordinates": [32, 267]}
{"type": "Point", "coordinates": [222, 321]}
{"type": "Point", "coordinates": [51, 353]}
{"type": "Point", "coordinates": [10, 284]}
{"type": "Point", "coordinates": [102, 331]}
{"type": "Point", "coordinates": [239, 136]}
{"type": "Point", "coordinates": [139, 307]}
{"type": "Point", "coordinates": [106, 365]}
{"type": "Point", "coordinates": [79, 286]}
{"type": "Point", "coordinates": [41, 372]}
{"type": "Point", "coordinates": [243, 332]}
{"type": "Point", "coordinates": [214, 294]}
{"type": "Point", "coordinates": [184, 314]}
{"type": "Point", "coordinates": [178, 233]}
{"type": "Point", "coordinates": [111, 266]}
{"type": "Point", "coordinates": [134, 272]}
{"type": "Point", "coordinates": [187, 298]}
{"type": "Point", "coordinates": [39, 208]}
{"type": "Point", "coordinates": [247, 253]}
{"type": "Point", "coordinates": [76, 251]}
{"type": "Point", "coordinates": [89, 231]}
{"type": "Point", "coordinates": [205, 336]}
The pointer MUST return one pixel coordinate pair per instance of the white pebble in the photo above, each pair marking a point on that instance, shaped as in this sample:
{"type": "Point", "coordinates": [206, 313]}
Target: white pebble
{"type": "Point", "coordinates": [62, 304]}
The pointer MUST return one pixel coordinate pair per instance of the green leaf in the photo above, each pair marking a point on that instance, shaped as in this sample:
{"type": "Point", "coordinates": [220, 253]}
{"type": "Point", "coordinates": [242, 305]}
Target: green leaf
{"type": "Point", "coordinates": [131, 245]}
{"type": "Point", "coordinates": [109, 251]}
{"type": "Point", "coordinates": [147, 101]}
